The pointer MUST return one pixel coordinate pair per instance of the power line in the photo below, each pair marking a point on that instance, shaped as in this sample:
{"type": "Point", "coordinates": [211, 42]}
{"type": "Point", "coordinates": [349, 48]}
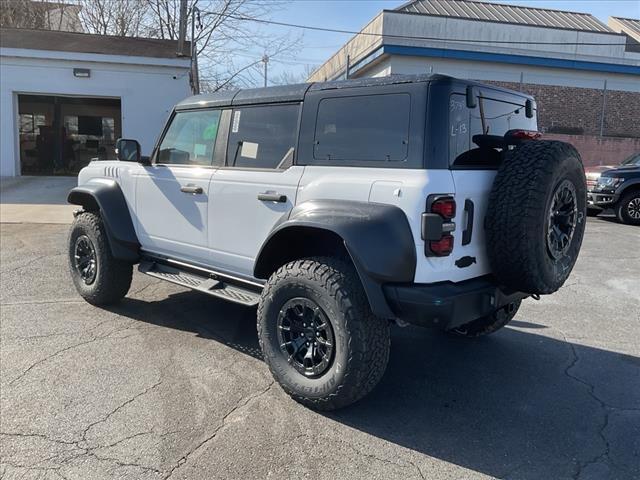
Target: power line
{"type": "Point", "coordinates": [406, 37]}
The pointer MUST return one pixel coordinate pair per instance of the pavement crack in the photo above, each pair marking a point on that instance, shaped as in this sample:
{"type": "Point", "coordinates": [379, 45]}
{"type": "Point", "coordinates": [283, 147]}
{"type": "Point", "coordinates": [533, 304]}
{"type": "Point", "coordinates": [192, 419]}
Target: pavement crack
{"type": "Point", "coordinates": [241, 404]}
{"type": "Point", "coordinates": [24, 265]}
{"type": "Point", "coordinates": [64, 350]}
{"type": "Point", "coordinates": [405, 463]}
{"type": "Point", "coordinates": [113, 412]}
{"type": "Point", "coordinates": [606, 409]}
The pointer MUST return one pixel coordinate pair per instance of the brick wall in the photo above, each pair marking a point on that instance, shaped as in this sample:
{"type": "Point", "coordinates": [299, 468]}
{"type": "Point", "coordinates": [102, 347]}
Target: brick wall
{"type": "Point", "coordinates": [571, 110]}
{"type": "Point", "coordinates": [599, 151]}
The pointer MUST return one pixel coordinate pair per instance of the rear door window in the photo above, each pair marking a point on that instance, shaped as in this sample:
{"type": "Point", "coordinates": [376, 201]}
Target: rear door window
{"type": "Point", "coordinates": [363, 128]}
{"type": "Point", "coordinates": [263, 136]}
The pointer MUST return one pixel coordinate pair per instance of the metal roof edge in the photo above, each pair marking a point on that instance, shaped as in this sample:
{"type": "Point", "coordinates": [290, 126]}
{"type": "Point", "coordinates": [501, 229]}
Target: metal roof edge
{"type": "Point", "coordinates": [611, 32]}
{"type": "Point", "coordinates": [519, 59]}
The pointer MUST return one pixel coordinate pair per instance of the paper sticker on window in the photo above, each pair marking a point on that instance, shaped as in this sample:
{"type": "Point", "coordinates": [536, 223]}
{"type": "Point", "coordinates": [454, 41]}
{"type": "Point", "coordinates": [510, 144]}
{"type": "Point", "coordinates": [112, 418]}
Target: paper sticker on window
{"type": "Point", "coordinates": [199, 149]}
{"type": "Point", "coordinates": [236, 121]}
{"type": "Point", "coordinates": [249, 150]}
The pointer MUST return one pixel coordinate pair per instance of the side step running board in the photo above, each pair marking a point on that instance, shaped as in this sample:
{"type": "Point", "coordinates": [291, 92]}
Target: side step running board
{"type": "Point", "coordinates": [200, 283]}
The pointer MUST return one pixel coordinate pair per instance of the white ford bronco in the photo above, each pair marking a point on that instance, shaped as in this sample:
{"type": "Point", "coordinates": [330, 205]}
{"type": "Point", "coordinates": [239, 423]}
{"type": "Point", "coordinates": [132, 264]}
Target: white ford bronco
{"type": "Point", "coordinates": [338, 208]}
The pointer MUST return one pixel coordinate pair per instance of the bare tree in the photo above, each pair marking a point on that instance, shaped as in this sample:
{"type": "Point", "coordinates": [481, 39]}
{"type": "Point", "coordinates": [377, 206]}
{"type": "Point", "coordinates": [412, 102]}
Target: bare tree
{"type": "Point", "coordinates": [39, 14]}
{"type": "Point", "coordinates": [223, 32]}
{"type": "Point", "coordinates": [288, 78]}
{"type": "Point", "coordinates": [114, 17]}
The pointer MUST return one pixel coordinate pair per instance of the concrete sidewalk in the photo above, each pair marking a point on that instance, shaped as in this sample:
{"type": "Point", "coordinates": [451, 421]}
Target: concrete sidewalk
{"type": "Point", "coordinates": [36, 199]}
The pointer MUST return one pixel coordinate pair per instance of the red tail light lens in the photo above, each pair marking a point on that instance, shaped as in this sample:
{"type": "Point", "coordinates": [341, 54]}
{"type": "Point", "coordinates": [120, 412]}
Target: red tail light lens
{"type": "Point", "coordinates": [442, 247]}
{"type": "Point", "coordinates": [522, 135]}
{"type": "Point", "coordinates": [445, 207]}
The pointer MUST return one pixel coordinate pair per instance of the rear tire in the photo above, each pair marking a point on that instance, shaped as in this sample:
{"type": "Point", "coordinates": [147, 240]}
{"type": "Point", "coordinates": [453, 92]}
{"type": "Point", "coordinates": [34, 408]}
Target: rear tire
{"type": "Point", "coordinates": [314, 292]}
{"type": "Point", "coordinates": [535, 219]}
{"type": "Point", "coordinates": [98, 277]}
{"type": "Point", "coordinates": [628, 208]}
{"type": "Point", "coordinates": [489, 324]}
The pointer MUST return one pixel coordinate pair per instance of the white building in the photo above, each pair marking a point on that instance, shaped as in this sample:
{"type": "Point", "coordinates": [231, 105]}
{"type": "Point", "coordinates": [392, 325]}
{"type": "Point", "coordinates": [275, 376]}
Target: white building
{"type": "Point", "coordinates": [66, 97]}
{"type": "Point", "coordinates": [585, 75]}
{"type": "Point", "coordinates": [557, 47]}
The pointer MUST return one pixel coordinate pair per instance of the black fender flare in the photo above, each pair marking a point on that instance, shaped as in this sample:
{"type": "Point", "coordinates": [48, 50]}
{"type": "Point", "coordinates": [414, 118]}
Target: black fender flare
{"type": "Point", "coordinates": [106, 197]}
{"type": "Point", "coordinates": [376, 236]}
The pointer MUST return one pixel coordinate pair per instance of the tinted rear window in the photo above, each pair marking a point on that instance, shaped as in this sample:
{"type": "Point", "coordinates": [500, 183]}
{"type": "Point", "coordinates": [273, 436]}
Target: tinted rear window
{"type": "Point", "coordinates": [363, 128]}
{"type": "Point", "coordinates": [500, 116]}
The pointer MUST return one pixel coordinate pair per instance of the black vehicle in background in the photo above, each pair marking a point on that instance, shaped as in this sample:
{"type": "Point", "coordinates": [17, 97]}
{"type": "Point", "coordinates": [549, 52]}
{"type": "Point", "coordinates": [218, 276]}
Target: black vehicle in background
{"type": "Point", "coordinates": [618, 189]}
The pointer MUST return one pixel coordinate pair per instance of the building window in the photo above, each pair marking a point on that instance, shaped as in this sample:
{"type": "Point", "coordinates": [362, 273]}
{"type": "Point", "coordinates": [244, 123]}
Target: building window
{"type": "Point", "coordinates": [363, 128]}
{"type": "Point", "coordinates": [263, 136]}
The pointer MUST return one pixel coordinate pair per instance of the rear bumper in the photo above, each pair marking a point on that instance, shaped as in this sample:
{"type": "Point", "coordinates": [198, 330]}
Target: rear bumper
{"type": "Point", "coordinates": [446, 304]}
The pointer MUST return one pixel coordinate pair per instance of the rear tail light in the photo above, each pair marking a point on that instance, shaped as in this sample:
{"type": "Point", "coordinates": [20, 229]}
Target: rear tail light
{"type": "Point", "coordinates": [437, 225]}
{"type": "Point", "coordinates": [445, 207]}
{"type": "Point", "coordinates": [515, 137]}
{"type": "Point", "coordinates": [442, 247]}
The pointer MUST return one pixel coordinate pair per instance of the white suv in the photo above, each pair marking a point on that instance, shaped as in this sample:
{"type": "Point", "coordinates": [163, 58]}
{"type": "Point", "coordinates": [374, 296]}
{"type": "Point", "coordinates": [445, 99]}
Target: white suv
{"type": "Point", "coordinates": [338, 208]}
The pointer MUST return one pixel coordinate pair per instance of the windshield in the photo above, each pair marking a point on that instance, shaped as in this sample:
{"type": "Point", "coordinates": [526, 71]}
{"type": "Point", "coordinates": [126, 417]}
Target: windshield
{"type": "Point", "coordinates": [632, 160]}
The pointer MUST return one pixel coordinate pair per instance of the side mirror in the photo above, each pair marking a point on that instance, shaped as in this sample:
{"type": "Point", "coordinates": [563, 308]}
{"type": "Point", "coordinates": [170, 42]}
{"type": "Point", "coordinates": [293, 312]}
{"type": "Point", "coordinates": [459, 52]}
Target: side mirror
{"type": "Point", "coordinates": [128, 150]}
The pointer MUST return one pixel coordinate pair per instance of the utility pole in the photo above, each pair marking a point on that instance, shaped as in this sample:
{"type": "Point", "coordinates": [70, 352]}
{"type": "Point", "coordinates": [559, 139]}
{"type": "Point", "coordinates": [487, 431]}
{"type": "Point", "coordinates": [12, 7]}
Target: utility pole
{"type": "Point", "coordinates": [604, 108]}
{"type": "Point", "coordinates": [182, 28]}
{"type": "Point", "coordinates": [265, 60]}
{"type": "Point", "coordinates": [195, 74]}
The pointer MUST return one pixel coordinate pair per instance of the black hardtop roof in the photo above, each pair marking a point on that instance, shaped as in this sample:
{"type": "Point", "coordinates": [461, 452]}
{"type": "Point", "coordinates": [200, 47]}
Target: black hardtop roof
{"type": "Point", "coordinates": [297, 92]}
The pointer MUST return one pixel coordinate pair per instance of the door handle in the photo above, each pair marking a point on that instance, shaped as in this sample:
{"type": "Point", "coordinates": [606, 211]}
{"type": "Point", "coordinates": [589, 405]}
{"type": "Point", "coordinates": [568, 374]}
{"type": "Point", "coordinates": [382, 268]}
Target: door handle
{"type": "Point", "coordinates": [191, 189]}
{"type": "Point", "coordinates": [468, 230]}
{"type": "Point", "coordinates": [272, 197]}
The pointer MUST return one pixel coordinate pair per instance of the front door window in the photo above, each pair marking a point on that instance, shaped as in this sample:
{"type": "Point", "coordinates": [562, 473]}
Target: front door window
{"type": "Point", "coordinates": [190, 139]}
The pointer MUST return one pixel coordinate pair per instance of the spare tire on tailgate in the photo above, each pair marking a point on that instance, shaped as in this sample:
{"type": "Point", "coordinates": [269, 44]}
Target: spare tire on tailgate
{"type": "Point", "coordinates": [536, 216]}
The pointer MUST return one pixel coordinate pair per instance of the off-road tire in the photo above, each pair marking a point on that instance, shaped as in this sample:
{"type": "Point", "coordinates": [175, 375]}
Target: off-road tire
{"type": "Point", "coordinates": [112, 277]}
{"type": "Point", "coordinates": [362, 340]}
{"type": "Point", "coordinates": [622, 207]}
{"type": "Point", "coordinates": [519, 212]}
{"type": "Point", "coordinates": [488, 324]}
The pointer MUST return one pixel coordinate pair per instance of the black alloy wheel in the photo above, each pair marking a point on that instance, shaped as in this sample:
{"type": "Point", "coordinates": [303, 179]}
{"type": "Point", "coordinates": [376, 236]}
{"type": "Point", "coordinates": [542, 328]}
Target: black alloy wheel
{"type": "Point", "coordinates": [563, 216]}
{"type": "Point", "coordinates": [306, 336]}
{"type": "Point", "coordinates": [85, 259]}
{"type": "Point", "coordinates": [633, 208]}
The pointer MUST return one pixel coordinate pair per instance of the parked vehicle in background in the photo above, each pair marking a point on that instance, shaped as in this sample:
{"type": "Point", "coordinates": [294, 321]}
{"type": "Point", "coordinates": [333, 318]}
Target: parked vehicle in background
{"type": "Point", "coordinates": [338, 208]}
{"type": "Point", "coordinates": [619, 189]}
{"type": "Point", "coordinates": [593, 174]}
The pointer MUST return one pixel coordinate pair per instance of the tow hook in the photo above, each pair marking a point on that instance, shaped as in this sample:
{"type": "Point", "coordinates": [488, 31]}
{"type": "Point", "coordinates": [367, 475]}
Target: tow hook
{"type": "Point", "coordinates": [535, 296]}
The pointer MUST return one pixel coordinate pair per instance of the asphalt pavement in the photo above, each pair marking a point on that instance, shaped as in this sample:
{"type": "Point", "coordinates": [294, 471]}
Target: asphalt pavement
{"type": "Point", "coordinates": [170, 384]}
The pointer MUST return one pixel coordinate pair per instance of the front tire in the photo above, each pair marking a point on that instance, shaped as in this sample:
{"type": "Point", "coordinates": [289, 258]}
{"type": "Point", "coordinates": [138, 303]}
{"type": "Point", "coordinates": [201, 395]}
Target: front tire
{"type": "Point", "coordinates": [318, 335]}
{"type": "Point", "coordinates": [628, 208]}
{"type": "Point", "coordinates": [98, 277]}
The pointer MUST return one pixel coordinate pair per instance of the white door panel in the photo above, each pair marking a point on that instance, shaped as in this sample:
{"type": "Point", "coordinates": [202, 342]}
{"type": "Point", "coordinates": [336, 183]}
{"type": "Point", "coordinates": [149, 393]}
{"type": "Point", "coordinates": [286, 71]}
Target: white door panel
{"type": "Point", "coordinates": [169, 220]}
{"type": "Point", "coordinates": [239, 221]}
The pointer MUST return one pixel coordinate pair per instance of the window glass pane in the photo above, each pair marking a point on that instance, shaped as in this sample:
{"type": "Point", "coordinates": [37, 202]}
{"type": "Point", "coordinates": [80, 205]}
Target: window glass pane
{"type": "Point", "coordinates": [263, 137]}
{"type": "Point", "coordinates": [367, 128]}
{"type": "Point", "coordinates": [190, 138]}
{"type": "Point", "coordinates": [464, 123]}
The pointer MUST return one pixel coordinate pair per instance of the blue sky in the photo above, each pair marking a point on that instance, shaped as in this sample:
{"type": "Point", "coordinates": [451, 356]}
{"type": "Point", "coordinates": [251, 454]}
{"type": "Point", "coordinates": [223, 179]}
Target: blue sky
{"type": "Point", "coordinates": [315, 47]}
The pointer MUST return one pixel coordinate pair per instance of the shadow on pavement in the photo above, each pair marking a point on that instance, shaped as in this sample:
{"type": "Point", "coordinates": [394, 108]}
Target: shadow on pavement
{"type": "Point", "coordinates": [514, 405]}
